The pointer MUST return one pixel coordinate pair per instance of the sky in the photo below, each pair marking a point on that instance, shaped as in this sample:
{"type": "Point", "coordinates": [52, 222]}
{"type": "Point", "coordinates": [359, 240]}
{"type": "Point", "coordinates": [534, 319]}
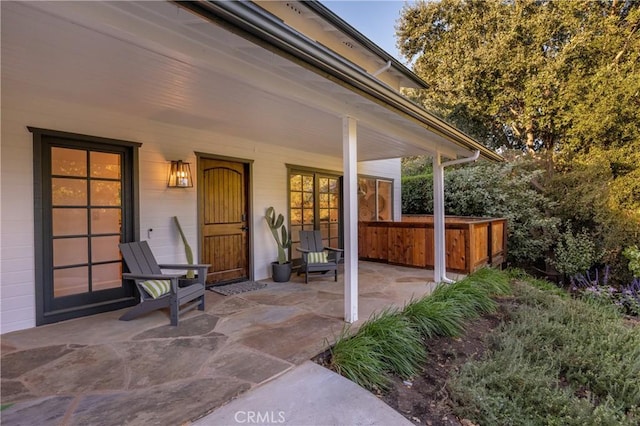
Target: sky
{"type": "Point", "coordinates": [375, 19]}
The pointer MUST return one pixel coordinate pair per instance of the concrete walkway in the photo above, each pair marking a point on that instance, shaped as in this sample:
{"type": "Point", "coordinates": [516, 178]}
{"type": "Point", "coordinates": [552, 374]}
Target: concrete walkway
{"type": "Point", "coordinates": [307, 395]}
{"type": "Point", "coordinates": [100, 371]}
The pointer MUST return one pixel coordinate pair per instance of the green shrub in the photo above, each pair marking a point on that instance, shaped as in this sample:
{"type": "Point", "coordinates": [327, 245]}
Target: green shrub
{"type": "Point", "coordinates": [632, 253]}
{"type": "Point", "coordinates": [386, 343]}
{"type": "Point", "coordinates": [558, 361]}
{"type": "Point", "coordinates": [494, 190]}
{"type": "Point", "coordinates": [417, 194]}
{"type": "Point", "coordinates": [470, 298]}
{"type": "Point", "coordinates": [574, 253]}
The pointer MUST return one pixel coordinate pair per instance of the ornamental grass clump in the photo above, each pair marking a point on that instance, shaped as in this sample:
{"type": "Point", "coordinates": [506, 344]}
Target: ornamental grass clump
{"type": "Point", "coordinates": [391, 342]}
{"type": "Point", "coordinates": [397, 340]}
{"type": "Point", "coordinates": [494, 281]}
{"type": "Point", "coordinates": [434, 317]}
{"type": "Point", "coordinates": [472, 299]}
{"type": "Point", "coordinates": [357, 358]}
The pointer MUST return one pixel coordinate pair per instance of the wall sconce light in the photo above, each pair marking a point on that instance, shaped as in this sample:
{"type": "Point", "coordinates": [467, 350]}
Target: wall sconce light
{"type": "Point", "coordinates": [180, 175]}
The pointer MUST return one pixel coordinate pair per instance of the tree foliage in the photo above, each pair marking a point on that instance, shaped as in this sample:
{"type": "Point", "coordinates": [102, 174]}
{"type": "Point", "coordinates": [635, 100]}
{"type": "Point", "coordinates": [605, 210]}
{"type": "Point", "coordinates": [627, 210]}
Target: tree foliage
{"type": "Point", "coordinates": [557, 79]}
{"type": "Point", "coordinates": [529, 73]}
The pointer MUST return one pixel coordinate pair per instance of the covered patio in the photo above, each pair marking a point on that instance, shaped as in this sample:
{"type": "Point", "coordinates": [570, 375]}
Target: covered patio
{"type": "Point", "coordinates": [98, 370]}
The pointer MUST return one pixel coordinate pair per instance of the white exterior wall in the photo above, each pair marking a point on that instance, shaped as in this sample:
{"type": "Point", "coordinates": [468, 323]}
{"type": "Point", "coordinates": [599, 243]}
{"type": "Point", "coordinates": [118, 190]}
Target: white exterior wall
{"type": "Point", "coordinates": [390, 169]}
{"type": "Point", "coordinates": [158, 204]}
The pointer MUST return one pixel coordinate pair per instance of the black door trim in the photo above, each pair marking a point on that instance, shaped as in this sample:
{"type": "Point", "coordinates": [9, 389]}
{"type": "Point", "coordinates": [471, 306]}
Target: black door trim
{"type": "Point", "coordinates": [42, 224]}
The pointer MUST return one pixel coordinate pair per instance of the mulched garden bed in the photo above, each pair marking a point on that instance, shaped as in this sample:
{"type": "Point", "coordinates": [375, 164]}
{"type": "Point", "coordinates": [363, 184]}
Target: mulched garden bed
{"type": "Point", "coordinates": [425, 400]}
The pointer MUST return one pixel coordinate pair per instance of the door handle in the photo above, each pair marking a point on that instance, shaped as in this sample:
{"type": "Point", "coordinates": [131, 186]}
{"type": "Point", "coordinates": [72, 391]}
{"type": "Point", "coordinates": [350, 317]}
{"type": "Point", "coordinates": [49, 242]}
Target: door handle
{"type": "Point", "coordinates": [245, 228]}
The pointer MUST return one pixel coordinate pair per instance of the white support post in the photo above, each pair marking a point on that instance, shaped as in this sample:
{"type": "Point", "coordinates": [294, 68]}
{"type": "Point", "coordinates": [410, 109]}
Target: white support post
{"type": "Point", "coordinates": [439, 247]}
{"type": "Point", "coordinates": [350, 181]}
{"type": "Point", "coordinates": [439, 239]}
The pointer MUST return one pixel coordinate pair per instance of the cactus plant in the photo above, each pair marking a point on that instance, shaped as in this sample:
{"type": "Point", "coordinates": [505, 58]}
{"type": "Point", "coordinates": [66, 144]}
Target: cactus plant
{"type": "Point", "coordinates": [280, 233]}
{"type": "Point", "coordinates": [187, 248]}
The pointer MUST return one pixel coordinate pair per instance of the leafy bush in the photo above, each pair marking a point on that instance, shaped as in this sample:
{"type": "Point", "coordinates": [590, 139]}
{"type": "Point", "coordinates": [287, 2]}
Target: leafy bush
{"type": "Point", "coordinates": [633, 255]}
{"type": "Point", "coordinates": [599, 191]}
{"type": "Point", "coordinates": [574, 253]}
{"type": "Point", "coordinates": [496, 190]}
{"type": "Point", "coordinates": [595, 287]}
{"type": "Point", "coordinates": [417, 194]}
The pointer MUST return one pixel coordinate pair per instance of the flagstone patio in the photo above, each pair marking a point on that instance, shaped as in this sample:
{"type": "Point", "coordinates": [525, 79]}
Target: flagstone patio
{"type": "Point", "coordinates": [98, 370]}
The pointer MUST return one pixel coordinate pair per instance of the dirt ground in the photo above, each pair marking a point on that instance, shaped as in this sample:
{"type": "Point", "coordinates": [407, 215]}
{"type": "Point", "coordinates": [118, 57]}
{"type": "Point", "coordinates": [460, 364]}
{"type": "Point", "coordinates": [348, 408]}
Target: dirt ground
{"type": "Point", "coordinates": [424, 400]}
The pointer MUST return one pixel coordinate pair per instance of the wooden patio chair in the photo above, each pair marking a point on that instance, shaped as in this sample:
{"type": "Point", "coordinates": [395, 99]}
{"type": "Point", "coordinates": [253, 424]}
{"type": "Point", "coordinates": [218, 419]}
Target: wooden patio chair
{"type": "Point", "coordinates": [157, 289]}
{"type": "Point", "coordinates": [316, 257]}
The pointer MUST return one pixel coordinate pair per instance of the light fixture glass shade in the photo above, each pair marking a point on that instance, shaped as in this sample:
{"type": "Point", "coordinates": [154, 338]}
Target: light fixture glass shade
{"type": "Point", "coordinates": [180, 175]}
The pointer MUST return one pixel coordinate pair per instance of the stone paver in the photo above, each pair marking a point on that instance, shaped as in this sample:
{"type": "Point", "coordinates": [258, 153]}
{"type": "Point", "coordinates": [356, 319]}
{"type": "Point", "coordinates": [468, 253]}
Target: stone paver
{"type": "Point", "coordinates": [169, 404]}
{"type": "Point", "coordinates": [95, 368]}
{"type": "Point", "coordinates": [245, 364]}
{"type": "Point", "coordinates": [38, 411]}
{"type": "Point", "coordinates": [197, 326]}
{"type": "Point", "coordinates": [98, 370]}
{"type": "Point", "coordinates": [310, 333]}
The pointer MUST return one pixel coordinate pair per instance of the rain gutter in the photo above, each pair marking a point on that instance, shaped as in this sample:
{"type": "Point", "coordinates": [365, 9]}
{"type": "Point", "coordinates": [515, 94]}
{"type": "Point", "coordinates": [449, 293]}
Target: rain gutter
{"type": "Point", "coordinates": [250, 21]}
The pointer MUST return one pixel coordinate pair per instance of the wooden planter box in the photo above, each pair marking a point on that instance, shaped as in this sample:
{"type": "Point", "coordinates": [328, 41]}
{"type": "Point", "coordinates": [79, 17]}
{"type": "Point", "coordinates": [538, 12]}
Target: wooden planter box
{"type": "Point", "coordinates": [471, 243]}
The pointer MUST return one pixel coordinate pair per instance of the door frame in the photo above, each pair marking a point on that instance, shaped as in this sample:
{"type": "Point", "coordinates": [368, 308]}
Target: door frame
{"type": "Point", "coordinates": [248, 169]}
{"type": "Point", "coordinates": [317, 172]}
{"type": "Point", "coordinates": [41, 227]}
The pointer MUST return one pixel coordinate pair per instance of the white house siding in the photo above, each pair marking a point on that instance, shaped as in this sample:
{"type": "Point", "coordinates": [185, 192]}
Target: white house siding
{"type": "Point", "coordinates": [22, 107]}
{"type": "Point", "coordinates": [390, 169]}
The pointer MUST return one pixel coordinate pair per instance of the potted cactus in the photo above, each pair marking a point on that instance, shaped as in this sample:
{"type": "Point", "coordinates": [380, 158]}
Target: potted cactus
{"type": "Point", "coordinates": [281, 269]}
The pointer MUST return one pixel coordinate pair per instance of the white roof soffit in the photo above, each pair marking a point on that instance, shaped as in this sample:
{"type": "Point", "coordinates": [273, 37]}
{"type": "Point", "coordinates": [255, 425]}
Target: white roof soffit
{"type": "Point", "coordinates": [159, 61]}
{"type": "Point", "coordinates": [251, 21]}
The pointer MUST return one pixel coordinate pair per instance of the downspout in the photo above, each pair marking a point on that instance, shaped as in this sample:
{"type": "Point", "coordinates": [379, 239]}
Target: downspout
{"type": "Point", "coordinates": [440, 267]}
{"type": "Point", "coordinates": [383, 69]}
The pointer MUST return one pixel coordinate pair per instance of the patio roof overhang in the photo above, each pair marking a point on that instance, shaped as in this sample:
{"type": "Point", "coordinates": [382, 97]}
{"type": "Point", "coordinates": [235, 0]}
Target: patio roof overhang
{"type": "Point", "coordinates": [248, 75]}
{"type": "Point", "coordinates": [254, 23]}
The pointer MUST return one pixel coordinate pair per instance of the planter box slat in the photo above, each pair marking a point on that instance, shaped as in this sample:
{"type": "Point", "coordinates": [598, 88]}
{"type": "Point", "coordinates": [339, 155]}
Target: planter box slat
{"type": "Point", "coordinates": [471, 243]}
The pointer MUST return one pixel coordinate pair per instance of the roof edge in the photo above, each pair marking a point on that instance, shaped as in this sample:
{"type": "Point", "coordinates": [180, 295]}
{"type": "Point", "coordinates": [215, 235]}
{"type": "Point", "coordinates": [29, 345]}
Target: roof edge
{"type": "Point", "coordinates": [323, 11]}
{"type": "Point", "coordinates": [251, 21]}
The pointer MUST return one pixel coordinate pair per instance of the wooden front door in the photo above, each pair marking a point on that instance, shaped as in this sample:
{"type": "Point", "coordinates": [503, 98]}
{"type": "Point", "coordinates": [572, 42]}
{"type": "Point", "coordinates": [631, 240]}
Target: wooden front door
{"type": "Point", "coordinates": [223, 219]}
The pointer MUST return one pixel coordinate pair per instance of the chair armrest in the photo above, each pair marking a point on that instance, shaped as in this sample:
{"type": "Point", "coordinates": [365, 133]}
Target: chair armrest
{"type": "Point", "coordinates": [184, 266]}
{"type": "Point", "coordinates": [334, 249]}
{"type": "Point", "coordinates": [301, 250]}
{"type": "Point", "coordinates": [130, 276]}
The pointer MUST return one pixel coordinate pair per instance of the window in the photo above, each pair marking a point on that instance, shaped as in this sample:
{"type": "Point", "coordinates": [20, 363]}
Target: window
{"type": "Point", "coordinates": [84, 209]}
{"type": "Point", "coordinates": [375, 199]}
{"type": "Point", "coordinates": [315, 204]}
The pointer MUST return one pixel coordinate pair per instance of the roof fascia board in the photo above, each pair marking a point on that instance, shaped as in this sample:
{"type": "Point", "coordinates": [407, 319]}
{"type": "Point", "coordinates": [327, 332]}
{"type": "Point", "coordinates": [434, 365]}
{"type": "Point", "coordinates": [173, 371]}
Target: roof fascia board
{"type": "Point", "coordinates": [251, 21]}
{"type": "Point", "coordinates": [344, 26]}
